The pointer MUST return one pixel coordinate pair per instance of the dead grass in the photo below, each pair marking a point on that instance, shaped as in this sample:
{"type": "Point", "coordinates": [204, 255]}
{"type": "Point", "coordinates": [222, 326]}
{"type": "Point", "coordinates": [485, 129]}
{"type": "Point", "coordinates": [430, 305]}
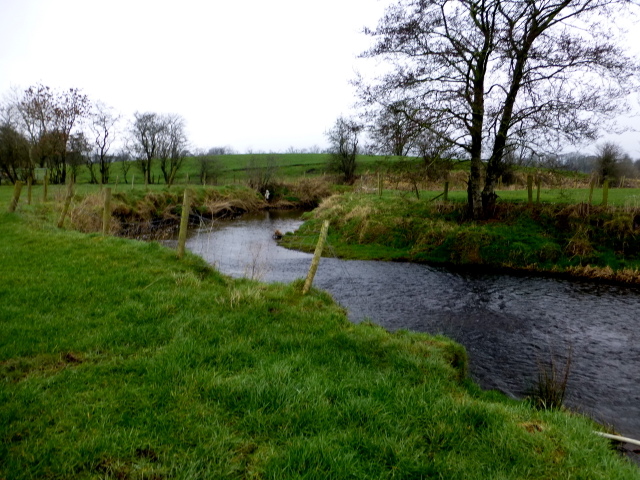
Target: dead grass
{"type": "Point", "coordinates": [579, 245]}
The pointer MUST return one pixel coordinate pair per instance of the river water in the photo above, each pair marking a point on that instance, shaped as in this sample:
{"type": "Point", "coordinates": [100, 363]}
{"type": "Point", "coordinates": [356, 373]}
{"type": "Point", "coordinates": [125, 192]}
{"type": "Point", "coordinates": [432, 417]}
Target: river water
{"type": "Point", "coordinates": [508, 324]}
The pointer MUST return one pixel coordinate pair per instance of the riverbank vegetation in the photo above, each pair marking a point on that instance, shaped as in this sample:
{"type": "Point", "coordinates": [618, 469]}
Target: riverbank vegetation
{"type": "Point", "coordinates": [119, 361]}
{"type": "Point", "coordinates": [566, 238]}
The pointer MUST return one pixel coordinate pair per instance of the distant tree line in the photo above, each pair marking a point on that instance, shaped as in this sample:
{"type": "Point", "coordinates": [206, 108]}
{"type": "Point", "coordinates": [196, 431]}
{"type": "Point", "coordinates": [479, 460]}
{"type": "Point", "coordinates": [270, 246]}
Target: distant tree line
{"type": "Point", "coordinates": [64, 131]}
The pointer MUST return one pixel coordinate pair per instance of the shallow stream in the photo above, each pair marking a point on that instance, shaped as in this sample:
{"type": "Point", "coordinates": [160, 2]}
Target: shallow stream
{"type": "Point", "coordinates": [509, 324]}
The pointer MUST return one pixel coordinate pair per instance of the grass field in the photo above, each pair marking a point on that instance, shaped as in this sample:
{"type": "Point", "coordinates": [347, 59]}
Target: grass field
{"type": "Point", "coordinates": [117, 361]}
{"type": "Point", "coordinates": [233, 168]}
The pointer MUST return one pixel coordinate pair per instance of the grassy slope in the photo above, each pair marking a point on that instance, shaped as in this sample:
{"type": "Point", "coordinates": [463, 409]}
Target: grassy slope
{"type": "Point", "coordinates": [549, 237]}
{"type": "Point", "coordinates": [118, 361]}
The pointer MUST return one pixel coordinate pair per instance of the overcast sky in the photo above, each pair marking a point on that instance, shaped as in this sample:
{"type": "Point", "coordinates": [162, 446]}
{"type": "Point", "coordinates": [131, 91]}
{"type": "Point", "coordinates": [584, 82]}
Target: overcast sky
{"type": "Point", "coordinates": [251, 74]}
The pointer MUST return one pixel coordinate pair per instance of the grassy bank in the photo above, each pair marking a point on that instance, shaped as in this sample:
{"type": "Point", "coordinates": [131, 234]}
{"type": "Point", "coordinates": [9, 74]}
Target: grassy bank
{"type": "Point", "coordinates": [575, 239]}
{"type": "Point", "coordinates": [119, 361]}
{"type": "Point", "coordinates": [140, 210]}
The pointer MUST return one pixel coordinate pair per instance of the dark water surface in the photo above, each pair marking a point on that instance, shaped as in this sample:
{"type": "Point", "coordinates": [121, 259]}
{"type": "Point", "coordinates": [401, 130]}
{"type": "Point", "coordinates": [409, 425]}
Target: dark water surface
{"type": "Point", "coordinates": [509, 324]}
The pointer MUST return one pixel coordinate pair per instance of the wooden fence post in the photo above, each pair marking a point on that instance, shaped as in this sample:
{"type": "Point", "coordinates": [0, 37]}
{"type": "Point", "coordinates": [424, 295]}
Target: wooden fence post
{"type": "Point", "coordinates": [45, 186]}
{"type": "Point", "coordinates": [605, 193]}
{"type": "Point", "coordinates": [538, 182]}
{"type": "Point", "coordinates": [67, 202]}
{"type": "Point", "coordinates": [29, 188]}
{"type": "Point", "coordinates": [316, 257]}
{"type": "Point", "coordinates": [17, 188]}
{"type": "Point", "coordinates": [530, 190]}
{"type": "Point", "coordinates": [592, 185]}
{"type": "Point", "coordinates": [446, 191]}
{"type": "Point", "coordinates": [106, 212]}
{"type": "Point", "coordinates": [184, 223]}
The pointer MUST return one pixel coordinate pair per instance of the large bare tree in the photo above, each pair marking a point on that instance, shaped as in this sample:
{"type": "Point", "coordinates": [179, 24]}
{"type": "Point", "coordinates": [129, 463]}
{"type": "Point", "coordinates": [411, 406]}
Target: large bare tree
{"type": "Point", "coordinates": [482, 74]}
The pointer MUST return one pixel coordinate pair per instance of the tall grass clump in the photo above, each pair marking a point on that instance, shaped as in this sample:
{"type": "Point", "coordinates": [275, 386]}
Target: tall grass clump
{"type": "Point", "coordinates": [553, 377]}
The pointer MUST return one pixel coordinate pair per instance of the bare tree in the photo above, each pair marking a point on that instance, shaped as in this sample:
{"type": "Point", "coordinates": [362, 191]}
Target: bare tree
{"type": "Point", "coordinates": [173, 146]}
{"type": "Point", "coordinates": [261, 172]}
{"type": "Point", "coordinates": [392, 132]}
{"type": "Point", "coordinates": [156, 137]}
{"type": "Point", "coordinates": [209, 167]}
{"type": "Point", "coordinates": [48, 118]}
{"type": "Point", "coordinates": [78, 152]}
{"type": "Point", "coordinates": [103, 125]}
{"type": "Point", "coordinates": [124, 159]}
{"type": "Point", "coordinates": [145, 140]}
{"type": "Point", "coordinates": [478, 72]}
{"type": "Point", "coordinates": [343, 141]}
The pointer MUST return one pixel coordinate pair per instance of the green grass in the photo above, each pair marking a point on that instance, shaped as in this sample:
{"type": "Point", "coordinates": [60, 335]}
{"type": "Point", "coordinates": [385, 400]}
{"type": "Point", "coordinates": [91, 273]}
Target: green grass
{"type": "Point", "coordinates": [232, 168]}
{"type": "Point", "coordinates": [119, 361]}
{"type": "Point", "coordinates": [551, 237]}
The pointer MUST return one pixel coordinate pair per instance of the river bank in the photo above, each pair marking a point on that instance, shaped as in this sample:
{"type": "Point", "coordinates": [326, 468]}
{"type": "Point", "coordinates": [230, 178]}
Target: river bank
{"type": "Point", "coordinates": [579, 241]}
{"type": "Point", "coordinates": [511, 325]}
{"type": "Point", "coordinates": [119, 360]}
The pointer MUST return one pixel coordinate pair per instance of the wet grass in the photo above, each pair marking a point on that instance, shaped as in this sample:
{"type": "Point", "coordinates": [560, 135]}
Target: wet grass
{"type": "Point", "coordinates": [119, 361]}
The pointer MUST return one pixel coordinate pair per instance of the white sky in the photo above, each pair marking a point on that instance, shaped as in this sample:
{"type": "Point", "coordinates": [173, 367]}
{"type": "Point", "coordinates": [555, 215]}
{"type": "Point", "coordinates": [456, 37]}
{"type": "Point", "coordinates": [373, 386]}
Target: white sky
{"type": "Point", "coordinates": [251, 74]}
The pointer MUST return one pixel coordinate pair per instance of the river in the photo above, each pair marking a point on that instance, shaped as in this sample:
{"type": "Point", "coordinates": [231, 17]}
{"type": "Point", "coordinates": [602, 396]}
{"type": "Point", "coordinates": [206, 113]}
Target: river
{"type": "Point", "coordinates": [508, 324]}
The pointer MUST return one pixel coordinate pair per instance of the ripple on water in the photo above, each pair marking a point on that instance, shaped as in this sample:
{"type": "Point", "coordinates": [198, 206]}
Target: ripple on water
{"type": "Point", "coordinates": [509, 324]}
